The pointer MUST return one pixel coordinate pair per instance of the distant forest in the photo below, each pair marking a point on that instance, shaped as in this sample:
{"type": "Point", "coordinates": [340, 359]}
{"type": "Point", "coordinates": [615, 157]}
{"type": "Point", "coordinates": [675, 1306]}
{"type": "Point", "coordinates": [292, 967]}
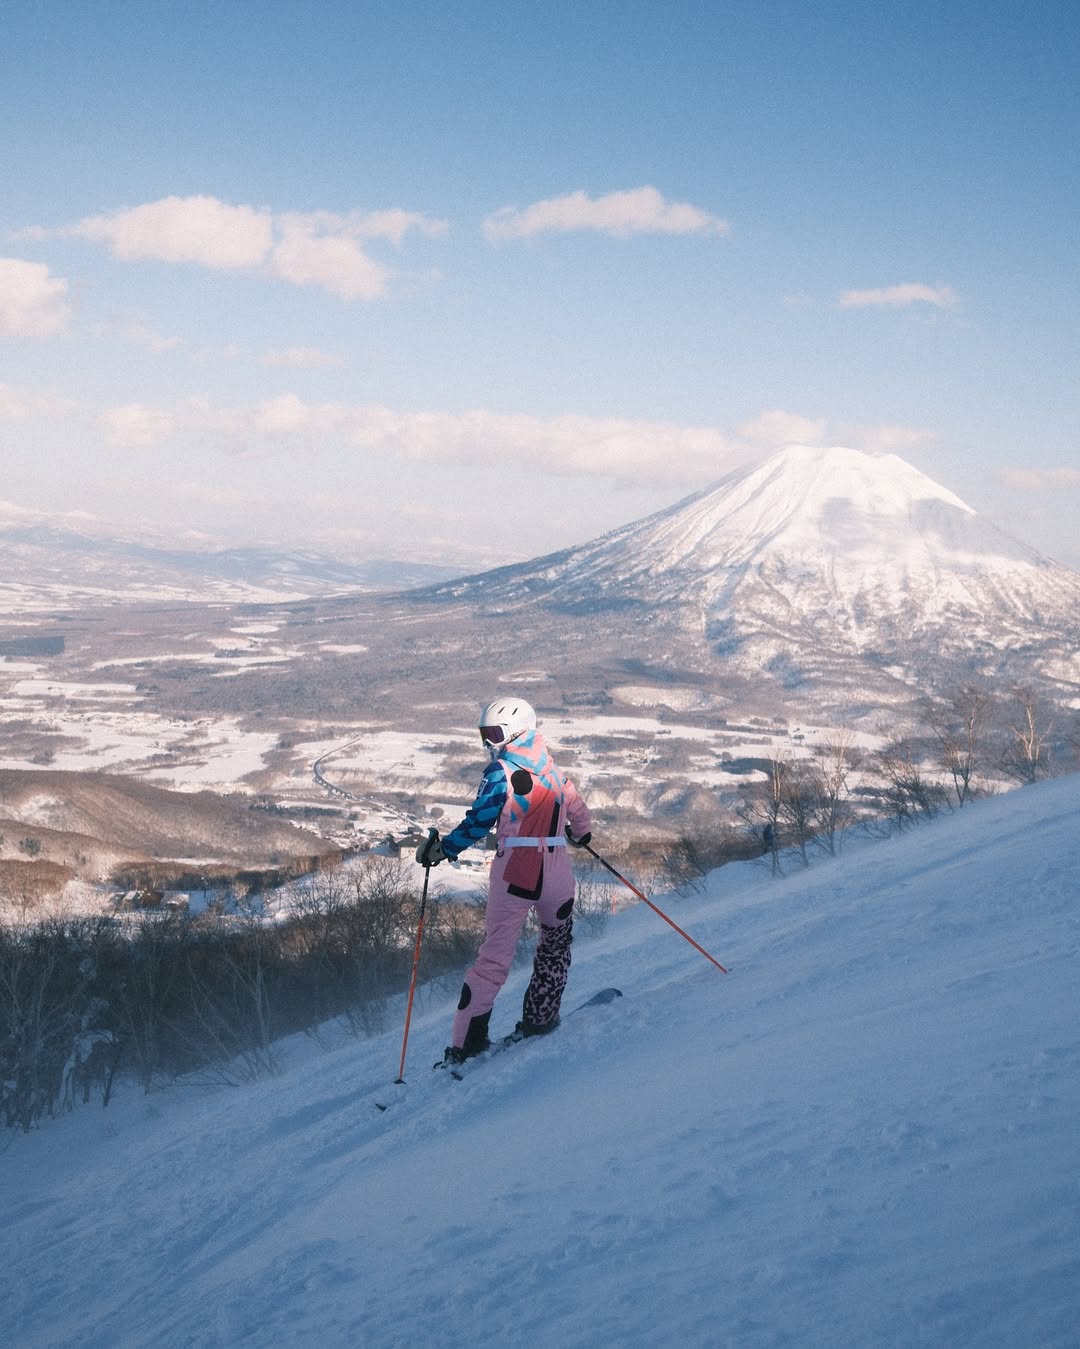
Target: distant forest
{"type": "Point", "coordinates": [33, 646]}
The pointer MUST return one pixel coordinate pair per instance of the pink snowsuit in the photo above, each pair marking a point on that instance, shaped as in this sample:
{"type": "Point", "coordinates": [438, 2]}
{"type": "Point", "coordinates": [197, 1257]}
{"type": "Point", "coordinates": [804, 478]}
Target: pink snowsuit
{"type": "Point", "coordinates": [531, 867]}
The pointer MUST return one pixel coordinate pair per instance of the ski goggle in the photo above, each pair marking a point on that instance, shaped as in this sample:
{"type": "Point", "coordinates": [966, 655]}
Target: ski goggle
{"type": "Point", "coordinates": [492, 735]}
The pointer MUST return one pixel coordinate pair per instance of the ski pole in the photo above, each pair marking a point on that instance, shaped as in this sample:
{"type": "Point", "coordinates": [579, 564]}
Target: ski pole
{"type": "Point", "coordinates": [400, 1079]}
{"type": "Point", "coordinates": [685, 935]}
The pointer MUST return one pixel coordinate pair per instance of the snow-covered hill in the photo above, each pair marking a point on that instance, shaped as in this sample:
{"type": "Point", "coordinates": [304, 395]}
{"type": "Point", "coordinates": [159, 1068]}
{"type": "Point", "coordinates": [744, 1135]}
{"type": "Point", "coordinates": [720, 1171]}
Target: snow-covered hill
{"type": "Point", "coordinates": [48, 562]}
{"type": "Point", "coordinates": [818, 566]}
{"type": "Point", "coordinates": [864, 1135]}
{"type": "Point", "coordinates": [91, 823]}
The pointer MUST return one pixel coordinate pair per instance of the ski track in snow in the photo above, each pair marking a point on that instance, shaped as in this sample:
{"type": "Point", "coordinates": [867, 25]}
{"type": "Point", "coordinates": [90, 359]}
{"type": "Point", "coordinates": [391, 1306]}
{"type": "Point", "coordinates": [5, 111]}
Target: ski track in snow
{"type": "Point", "coordinates": [865, 1135]}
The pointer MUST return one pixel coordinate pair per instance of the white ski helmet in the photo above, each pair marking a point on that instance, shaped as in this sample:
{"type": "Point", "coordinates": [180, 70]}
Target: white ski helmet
{"type": "Point", "coordinates": [504, 720]}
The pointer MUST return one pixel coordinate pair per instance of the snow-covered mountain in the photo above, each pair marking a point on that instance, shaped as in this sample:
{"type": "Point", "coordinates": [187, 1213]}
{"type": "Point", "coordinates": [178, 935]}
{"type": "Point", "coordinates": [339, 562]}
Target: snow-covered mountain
{"type": "Point", "coordinates": [51, 562]}
{"type": "Point", "coordinates": [863, 1137]}
{"type": "Point", "coordinates": [819, 564]}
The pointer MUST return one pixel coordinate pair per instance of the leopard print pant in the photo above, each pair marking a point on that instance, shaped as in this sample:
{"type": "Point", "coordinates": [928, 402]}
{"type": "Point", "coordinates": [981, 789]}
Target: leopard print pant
{"type": "Point", "coordinates": [551, 965]}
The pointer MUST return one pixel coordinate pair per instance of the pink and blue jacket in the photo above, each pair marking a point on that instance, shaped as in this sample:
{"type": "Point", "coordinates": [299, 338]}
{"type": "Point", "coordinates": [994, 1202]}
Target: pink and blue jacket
{"type": "Point", "coordinates": [526, 799]}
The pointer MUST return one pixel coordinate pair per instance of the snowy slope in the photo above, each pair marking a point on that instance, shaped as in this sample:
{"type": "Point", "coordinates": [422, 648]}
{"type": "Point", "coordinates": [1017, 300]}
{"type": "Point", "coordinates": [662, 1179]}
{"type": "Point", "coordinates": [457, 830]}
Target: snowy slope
{"type": "Point", "coordinates": [864, 1135]}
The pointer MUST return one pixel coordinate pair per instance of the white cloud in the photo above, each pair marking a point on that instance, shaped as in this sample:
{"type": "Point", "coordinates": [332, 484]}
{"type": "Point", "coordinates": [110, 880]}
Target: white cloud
{"type": "Point", "coordinates": [624, 449]}
{"type": "Point", "coordinates": [1040, 479]}
{"type": "Point", "coordinates": [230, 351]}
{"type": "Point", "coordinates": [322, 248]}
{"type": "Point", "coordinates": [18, 404]}
{"type": "Point", "coordinates": [136, 426]}
{"type": "Point", "coordinates": [888, 438]}
{"type": "Point", "coordinates": [203, 230]}
{"type": "Point", "coordinates": [899, 297]}
{"type": "Point", "coordinates": [641, 210]}
{"type": "Point", "coordinates": [572, 445]}
{"type": "Point", "coordinates": [774, 429]}
{"type": "Point", "coordinates": [303, 358]}
{"type": "Point", "coordinates": [391, 224]}
{"type": "Point", "coordinates": [32, 303]}
{"type": "Point", "coordinates": [319, 248]}
{"type": "Point", "coordinates": [286, 415]}
{"type": "Point", "coordinates": [213, 494]}
{"type": "Point", "coordinates": [16, 517]}
{"type": "Point", "coordinates": [312, 253]}
{"type": "Point", "coordinates": [134, 328]}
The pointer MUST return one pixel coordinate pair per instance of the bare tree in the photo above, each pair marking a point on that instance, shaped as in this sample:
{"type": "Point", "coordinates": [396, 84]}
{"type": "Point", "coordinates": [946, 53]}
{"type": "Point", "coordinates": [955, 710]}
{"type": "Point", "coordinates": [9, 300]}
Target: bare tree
{"type": "Point", "coordinates": [1026, 756]}
{"type": "Point", "coordinates": [27, 973]}
{"type": "Point", "coordinates": [907, 790]}
{"type": "Point", "coordinates": [594, 901]}
{"type": "Point", "coordinates": [689, 857]}
{"type": "Point", "coordinates": [958, 724]}
{"type": "Point", "coordinates": [1072, 735]}
{"type": "Point", "coordinates": [799, 794]}
{"type": "Point", "coordinates": [764, 805]}
{"type": "Point", "coordinates": [832, 811]}
{"type": "Point", "coordinates": [145, 992]}
{"type": "Point", "coordinates": [48, 1014]}
{"type": "Point", "coordinates": [228, 1025]}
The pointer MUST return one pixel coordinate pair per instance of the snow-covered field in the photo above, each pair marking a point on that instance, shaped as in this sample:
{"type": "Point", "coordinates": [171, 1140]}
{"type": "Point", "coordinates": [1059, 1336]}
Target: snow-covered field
{"type": "Point", "coordinates": [415, 760]}
{"type": "Point", "coordinates": [864, 1135]}
{"type": "Point", "coordinates": [111, 726]}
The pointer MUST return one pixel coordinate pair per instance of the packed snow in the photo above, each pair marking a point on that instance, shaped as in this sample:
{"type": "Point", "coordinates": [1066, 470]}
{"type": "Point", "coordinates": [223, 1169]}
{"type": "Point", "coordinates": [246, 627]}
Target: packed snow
{"type": "Point", "coordinates": [864, 1135]}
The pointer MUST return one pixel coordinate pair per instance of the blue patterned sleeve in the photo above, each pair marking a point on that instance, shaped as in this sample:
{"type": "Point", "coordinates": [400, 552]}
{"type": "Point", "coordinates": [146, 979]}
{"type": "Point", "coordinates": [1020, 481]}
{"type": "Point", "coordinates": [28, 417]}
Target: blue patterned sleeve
{"type": "Point", "coordinates": [482, 815]}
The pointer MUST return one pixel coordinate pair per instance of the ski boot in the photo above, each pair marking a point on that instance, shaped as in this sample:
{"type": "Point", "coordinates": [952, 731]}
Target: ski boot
{"type": "Point", "coordinates": [526, 1030]}
{"type": "Point", "coordinates": [451, 1058]}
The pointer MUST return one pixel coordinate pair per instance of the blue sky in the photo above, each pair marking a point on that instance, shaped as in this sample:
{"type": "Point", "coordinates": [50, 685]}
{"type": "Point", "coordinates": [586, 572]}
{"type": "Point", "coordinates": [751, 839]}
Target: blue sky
{"type": "Point", "coordinates": [469, 282]}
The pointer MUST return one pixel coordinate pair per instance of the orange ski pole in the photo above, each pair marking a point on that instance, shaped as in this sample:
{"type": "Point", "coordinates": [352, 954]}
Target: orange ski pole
{"type": "Point", "coordinates": [685, 935]}
{"type": "Point", "coordinates": [400, 1079]}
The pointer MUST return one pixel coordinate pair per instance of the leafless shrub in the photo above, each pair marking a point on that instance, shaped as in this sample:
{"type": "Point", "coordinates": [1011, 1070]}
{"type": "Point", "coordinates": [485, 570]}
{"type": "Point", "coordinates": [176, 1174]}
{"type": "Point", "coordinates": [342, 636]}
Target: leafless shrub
{"type": "Point", "coordinates": [49, 1018]}
{"type": "Point", "coordinates": [161, 994]}
{"type": "Point", "coordinates": [354, 930]}
{"type": "Point", "coordinates": [231, 1016]}
{"type": "Point", "coordinates": [908, 793]}
{"type": "Point", "coordinates": [147, 994]}
{"type": "Point", "coordinates": [592, 903]}
{"type": "Point", "coordinates": [691, 856]}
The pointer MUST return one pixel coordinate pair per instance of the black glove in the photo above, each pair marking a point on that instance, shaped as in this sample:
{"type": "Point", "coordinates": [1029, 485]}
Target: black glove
{"type": "Point", "coordinates": [581, 842]}
{"type": "Point", "coordinates": [430, 853]}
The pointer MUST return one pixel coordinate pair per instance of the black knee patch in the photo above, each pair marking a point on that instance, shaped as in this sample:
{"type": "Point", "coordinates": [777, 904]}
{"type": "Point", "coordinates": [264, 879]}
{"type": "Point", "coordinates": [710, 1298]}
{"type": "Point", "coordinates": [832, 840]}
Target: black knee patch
{"type": "Point", "coordinates": [466, 997]}
{"type": "Point", "coordinates": [564, 913]}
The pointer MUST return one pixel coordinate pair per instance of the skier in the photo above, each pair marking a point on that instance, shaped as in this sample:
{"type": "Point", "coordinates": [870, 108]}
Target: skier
{"type": "Point", "coordinates": [534, 811]}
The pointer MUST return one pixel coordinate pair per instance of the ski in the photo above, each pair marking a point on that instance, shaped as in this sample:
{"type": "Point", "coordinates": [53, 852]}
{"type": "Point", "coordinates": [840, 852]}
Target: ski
{"type": "Point", "coordinates": [598, 999]}
{"type": "Point", "coordinates": [461, 1071]}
